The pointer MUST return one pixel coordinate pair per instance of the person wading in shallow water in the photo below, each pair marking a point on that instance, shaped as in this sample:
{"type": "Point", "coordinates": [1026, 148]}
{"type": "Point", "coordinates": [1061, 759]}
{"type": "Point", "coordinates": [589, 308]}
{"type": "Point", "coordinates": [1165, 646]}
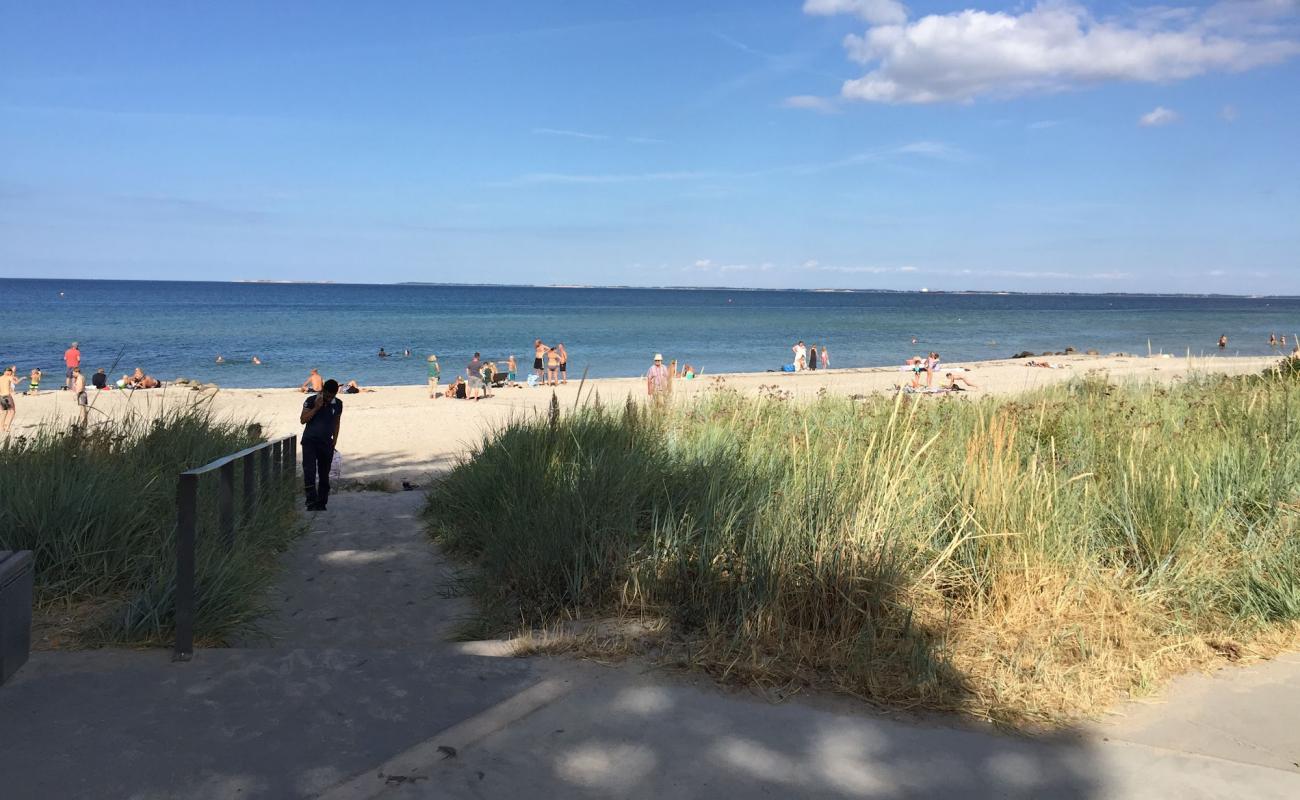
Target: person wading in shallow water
{"type": "Point", "coordinates": [322, 413]}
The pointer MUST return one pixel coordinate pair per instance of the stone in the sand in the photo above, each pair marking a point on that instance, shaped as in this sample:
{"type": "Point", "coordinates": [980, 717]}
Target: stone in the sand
{"type": "Point", "coordinates": [1093, 353]}
{"type": "Point", "coordinates": [1069, 349]}
{"type": "Point", "coordinates": [1023, 354]}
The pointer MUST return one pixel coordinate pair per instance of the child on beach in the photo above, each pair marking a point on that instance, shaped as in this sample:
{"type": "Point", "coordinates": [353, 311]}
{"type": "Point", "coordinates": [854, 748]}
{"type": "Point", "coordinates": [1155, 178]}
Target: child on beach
{"type": "Point", "coordinates": [34, 383]}
{"type": "Point", "coordinates": [435, 374]}
{"type": "Point", "coordinates": [8, 405]}
{"type": "Point", "coordinates": [510, 368]}
{"type": "Point", "coordinates": [79, 388]}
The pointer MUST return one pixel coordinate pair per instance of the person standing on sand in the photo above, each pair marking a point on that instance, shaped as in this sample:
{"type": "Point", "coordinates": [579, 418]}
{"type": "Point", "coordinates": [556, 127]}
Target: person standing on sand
{"type": "Point", "coordinates": [800, 356]}
{"type": "Point", "coordinates": [313, 382]}
{"type": "Point", "coordinates": [564, 362]}
{"type": "Point", "coordinates": [321, 416]}
{"type": "Point", "coordinates": [812, 358]}
{"type": "Point", "coordinates": [71, 358]}
{"type": "Point", "coordinates": [658, 380]}
{"type": "Point", "coordinates": [8, 404]}
{"type": "Point", "coordinates": [553, 366]}
{"type": "Point", "coordinates": [435, 374]}
{"type": "Point", "coordinates": [79, 387]}
{"type": "Point", "coordinates": [34, 386]}
{"type": "Point", "coordinates": [1223, 341]}
{"type": "Point", "coordinates": [539, 352]}
{"type": "Point", "coordinates": [826, 358]}
{"type": "Point", "coordinates": [931, 367]}
{"type": "Point", "coordinates": [511, 366]}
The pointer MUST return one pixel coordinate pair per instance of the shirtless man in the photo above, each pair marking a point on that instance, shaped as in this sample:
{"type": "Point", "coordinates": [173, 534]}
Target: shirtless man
{"type": "Point", "coordinates": [539, 352]}
{"type": "Point", "coordinates": [313, 382]}
{"type": "Point", "coordinates": [8, 404]}
{"type": "Point", "coordinates": [34, 387]}
{"type": "Point", "coordinates": [79, 390]}
{"type": "Point", "coordinates": [564, 362]}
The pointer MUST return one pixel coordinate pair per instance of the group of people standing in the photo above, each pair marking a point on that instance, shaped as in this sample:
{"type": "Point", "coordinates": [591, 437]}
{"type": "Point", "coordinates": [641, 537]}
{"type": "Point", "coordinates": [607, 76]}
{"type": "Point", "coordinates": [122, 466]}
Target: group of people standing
{"type": "Point", "coordinates": [550, 364]}
{"type": "Point", "coordinates": [810, 358]}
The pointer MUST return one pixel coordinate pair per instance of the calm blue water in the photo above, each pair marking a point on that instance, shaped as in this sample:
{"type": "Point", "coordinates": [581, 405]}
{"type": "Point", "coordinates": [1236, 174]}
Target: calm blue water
{"type": "Point", "coordinates": [173, 329]}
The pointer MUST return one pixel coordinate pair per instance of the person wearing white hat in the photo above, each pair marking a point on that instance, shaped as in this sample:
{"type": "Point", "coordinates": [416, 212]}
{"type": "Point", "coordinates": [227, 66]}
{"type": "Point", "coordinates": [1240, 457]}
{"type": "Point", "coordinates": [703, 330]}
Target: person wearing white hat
{"type": "Point", "coordinates": [658, 381]}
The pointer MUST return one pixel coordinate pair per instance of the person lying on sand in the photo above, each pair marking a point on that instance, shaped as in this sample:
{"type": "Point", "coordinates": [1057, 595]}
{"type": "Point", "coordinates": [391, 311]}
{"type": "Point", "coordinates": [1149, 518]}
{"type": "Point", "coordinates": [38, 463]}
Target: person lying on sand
{"type": "Point", "coordinates": [352, 387]}
{"type": "Point", "coordinates": [1045, 365]}
{"type": "Point", "coordinates": [953, 380]}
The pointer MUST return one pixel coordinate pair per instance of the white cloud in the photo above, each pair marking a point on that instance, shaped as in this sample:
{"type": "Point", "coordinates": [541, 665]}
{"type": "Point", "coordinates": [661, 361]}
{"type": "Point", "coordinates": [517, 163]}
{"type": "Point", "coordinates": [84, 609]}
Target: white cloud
{"type": "Point", "coordinates": [630, 177]}
{"type": "Point", "coordinates": [1157, 116]}
{"type": "Point", "coordinates": [877, 12]}
{"type": "Point", "coordinates": [1056, 45]}
{"type": "Point", "coordinates": [811, 102]}
{"type": "Point", "coordinates": [596, 137]}
{"type": "Point", "coordinates": [703, 263]}
{"type": "Point", "coordinates": [810, 264]}
{"type": "Point", "coordinates": [1228, 113]}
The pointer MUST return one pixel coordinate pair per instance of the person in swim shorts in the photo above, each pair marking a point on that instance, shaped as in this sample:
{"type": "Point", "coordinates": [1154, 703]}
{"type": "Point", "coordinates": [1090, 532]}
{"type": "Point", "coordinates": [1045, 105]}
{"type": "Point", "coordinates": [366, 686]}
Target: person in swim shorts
{"type": "Point", "coordinates": [539, 352]}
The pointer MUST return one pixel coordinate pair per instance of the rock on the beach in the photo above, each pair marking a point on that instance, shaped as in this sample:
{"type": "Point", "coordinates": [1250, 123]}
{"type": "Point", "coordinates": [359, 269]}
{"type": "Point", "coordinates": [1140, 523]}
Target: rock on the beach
{"type": "Point", "coordinates": [1093, 353]}
{"type": "Point", "coordinates": [1023, 354]}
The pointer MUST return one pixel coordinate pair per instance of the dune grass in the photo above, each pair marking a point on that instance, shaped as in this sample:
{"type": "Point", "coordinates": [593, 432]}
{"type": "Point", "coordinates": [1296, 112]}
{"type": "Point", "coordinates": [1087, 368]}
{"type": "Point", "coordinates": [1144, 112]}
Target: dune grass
{"type": "Point", "coordinates": [97, 506]}
{"type": "Point", "coordinates": [1026, 561]}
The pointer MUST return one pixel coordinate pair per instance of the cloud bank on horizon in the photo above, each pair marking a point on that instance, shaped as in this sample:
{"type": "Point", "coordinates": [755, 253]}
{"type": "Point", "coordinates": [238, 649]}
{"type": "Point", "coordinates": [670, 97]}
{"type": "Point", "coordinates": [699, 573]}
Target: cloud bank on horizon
{"type": "Point", "coordinates": [1055, 45]}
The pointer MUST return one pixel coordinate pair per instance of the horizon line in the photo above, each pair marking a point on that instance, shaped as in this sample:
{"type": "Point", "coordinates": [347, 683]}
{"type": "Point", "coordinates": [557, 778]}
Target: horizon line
{"type": "Point", "coordinates": [668, 287]}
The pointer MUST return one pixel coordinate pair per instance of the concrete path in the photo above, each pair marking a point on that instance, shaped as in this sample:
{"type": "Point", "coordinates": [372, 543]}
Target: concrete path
{"type": "Point", "coordinates": [361, 696]}
{"type": "Point", "coordinates": [361, 670]}
{"type": "Point", "coordinates": [624, 733]}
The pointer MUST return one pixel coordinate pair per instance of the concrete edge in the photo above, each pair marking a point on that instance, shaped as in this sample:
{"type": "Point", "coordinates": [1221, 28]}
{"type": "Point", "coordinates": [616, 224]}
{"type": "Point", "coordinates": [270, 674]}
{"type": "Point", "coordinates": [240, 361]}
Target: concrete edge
{"type": "Point", "coordinates": [424, 757]}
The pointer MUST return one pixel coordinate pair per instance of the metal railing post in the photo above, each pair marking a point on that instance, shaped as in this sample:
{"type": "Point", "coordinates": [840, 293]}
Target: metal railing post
{"type": "Point", "coordinates": [226, 503]}
{"type": "Point", "coordinates": [187, 496]}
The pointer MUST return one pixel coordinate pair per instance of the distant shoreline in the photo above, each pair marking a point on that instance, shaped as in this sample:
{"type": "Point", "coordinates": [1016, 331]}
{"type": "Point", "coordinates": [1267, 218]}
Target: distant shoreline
{"type": "Point", "coordinates": [673, 288]}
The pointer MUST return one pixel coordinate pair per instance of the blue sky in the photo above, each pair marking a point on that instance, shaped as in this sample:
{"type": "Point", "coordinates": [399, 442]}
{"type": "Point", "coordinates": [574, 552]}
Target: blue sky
{"type": "Point", "coordinates": [826, 143]}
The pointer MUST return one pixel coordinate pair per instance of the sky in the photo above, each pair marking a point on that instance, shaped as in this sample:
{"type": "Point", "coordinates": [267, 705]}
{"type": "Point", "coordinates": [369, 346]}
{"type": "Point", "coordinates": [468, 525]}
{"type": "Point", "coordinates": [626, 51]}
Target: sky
{"type": "Point", "coordinates": [867, 144]}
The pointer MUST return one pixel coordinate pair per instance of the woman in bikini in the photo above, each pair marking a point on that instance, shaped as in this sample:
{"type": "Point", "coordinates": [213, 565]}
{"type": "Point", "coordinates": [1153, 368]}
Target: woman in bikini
{"type": "Point", "coordinates": [553, 366]}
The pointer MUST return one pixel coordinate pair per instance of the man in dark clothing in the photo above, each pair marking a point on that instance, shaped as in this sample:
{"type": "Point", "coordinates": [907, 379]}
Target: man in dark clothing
{"type": "Point", "coordinates": [321, 415]}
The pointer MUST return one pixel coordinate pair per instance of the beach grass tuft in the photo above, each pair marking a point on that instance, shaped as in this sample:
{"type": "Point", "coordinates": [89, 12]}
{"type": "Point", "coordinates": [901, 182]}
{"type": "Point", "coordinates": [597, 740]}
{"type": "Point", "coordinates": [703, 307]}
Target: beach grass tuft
{"type": "Point", "coordinates": [97, 506]}
{"type": "Point", "coordinates": [1026, 560]}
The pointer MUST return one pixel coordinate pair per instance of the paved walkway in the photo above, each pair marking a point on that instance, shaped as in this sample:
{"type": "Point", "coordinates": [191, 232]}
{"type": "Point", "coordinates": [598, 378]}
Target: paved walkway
{"type": "Point", "coordinates": [361, 670]}
{"type": "Point", "coordinates": [361, 696]}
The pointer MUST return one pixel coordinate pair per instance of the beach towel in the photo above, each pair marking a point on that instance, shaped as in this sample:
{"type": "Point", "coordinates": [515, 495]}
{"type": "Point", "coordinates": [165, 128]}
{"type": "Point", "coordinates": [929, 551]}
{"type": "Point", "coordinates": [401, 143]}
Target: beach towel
{"type": "Point", "coordinates": [787, 367]}
{"type": "Point", "coordinates": [532, 381]}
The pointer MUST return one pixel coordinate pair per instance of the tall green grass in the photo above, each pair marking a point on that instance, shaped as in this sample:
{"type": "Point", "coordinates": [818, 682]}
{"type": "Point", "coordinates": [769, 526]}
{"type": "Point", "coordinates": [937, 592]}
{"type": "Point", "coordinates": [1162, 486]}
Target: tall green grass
{"type": "Point", "coordinates": [97, 506]}
{"type": "Point", "coordinates": [1024, 559]}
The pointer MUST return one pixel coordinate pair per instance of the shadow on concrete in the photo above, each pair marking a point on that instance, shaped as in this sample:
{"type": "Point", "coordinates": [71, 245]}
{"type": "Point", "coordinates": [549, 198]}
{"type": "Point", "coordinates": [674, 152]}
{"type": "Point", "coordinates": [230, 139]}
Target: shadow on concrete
{"type": "Point", "coordinates": [636, 739]}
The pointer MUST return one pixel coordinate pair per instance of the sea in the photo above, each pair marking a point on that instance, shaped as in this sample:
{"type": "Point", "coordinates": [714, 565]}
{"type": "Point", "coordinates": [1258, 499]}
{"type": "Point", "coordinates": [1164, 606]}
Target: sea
{"type": "Point", "coordinates": [176, 329]}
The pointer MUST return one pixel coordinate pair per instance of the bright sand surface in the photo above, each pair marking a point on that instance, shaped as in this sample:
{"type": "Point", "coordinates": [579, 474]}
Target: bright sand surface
{"type": "Point", "coordinates": [398, 433]}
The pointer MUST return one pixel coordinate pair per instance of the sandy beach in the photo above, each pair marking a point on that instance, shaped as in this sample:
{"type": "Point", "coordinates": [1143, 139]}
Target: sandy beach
{"type": "Point", "coordinates": [398, 433]}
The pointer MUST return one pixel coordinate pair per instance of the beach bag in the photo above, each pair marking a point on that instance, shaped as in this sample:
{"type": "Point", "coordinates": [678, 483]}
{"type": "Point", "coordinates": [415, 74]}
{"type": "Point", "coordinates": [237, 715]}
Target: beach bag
{"type": "Point", "coordinates": [532, 381]}
{"type": "Point", "coordinates": [787, 367]}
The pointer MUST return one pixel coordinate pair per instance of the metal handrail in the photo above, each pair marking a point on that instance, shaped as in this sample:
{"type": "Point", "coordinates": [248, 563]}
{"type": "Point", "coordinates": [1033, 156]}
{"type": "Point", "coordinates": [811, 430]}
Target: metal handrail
{"type": "Point", "coordinates": [284, 452]}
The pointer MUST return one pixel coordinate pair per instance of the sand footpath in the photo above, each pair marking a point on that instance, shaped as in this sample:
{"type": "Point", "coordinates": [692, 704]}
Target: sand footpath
{"type": "Point", "coordinates": [398, 433]}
